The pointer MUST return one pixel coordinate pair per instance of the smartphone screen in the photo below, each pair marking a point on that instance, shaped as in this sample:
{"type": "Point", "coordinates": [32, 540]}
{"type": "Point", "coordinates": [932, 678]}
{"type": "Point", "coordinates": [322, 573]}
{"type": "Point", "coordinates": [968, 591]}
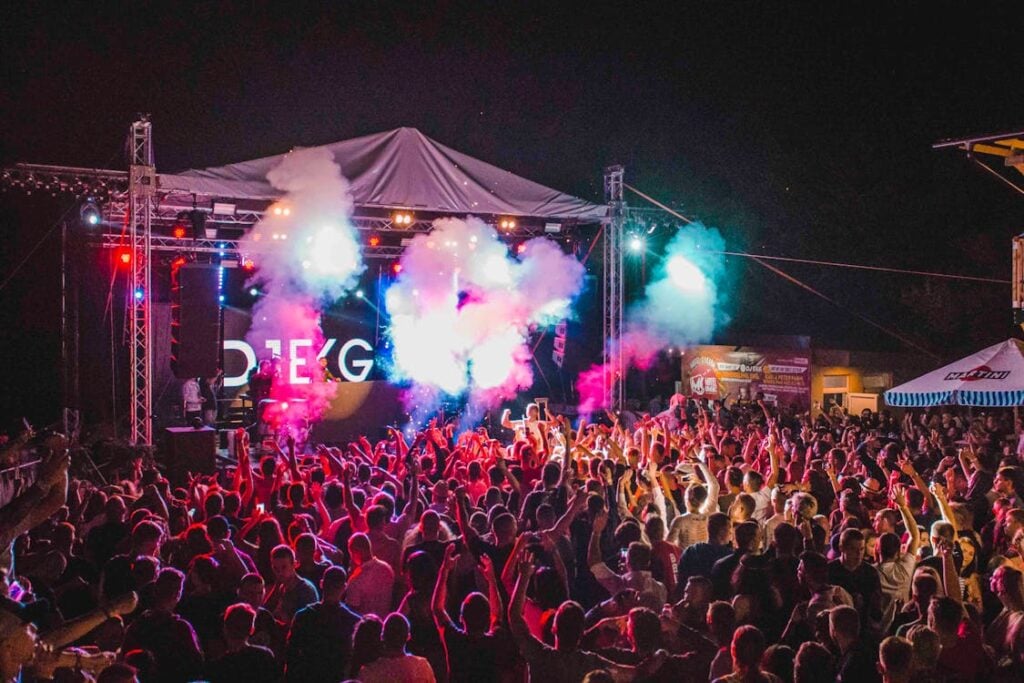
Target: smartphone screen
{"type": "Point", "coordinates": [261, 508]}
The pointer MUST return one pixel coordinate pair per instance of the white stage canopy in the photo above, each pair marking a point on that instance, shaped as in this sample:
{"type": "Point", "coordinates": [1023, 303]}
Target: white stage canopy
{"type": "Point", "coordinates": [402, 168]}
{"type": "Point", "coordinates": [991, 378]}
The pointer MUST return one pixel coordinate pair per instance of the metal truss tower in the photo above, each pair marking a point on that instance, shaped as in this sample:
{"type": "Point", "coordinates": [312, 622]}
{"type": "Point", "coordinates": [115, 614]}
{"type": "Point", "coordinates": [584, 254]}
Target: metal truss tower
{"type": "Point", "coordinates": [141, 196]}
{"type": "Point", "coordinates": [615, 375]}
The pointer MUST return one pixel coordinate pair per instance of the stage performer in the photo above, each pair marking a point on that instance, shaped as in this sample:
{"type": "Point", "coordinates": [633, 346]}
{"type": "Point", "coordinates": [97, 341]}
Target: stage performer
{"type": "Point", "coordinates": [673, 418]}
{"type": "Point", "coordinates": [192, 399]}
{"type": "Point", "coordinates": [530, 424]}
{"type": "Point", "coordinates": [326, 373]}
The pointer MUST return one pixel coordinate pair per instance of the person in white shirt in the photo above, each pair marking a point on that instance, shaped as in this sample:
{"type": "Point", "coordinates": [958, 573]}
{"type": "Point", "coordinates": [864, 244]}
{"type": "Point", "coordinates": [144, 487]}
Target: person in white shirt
{"type": "Point", "coordinates": [760, 488]}
{"type": "Point", "coordinates": [394, 663]}
{"type": "Point", "coordinates": [701, 501]}
{"type": "Point", "coordinates": [638, 560]}
{"type": "Point", "coordinates": [896, 565]}
{"type": "Point", "coordinates": [372, 581]}
{"type": "Point", "coordinates": [191, 398]}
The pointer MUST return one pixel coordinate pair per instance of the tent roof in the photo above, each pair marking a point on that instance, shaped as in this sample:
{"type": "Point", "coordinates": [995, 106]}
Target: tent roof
{"type": "Point", "coordinates": [992, 377]}
{"type": "Point", "coordinates": [402, 168]}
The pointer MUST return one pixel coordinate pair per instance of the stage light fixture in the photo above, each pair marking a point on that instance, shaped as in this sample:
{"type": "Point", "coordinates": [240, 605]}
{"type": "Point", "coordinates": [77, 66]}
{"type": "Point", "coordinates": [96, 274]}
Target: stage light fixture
{"type": "Point", "coordinates": [402, 218]}
{"type": "Point", "coordinates": [397, 268]}
{"type": "Point", "coordinates": [220, 298]}
{"type": "Point", "coordinates": [359, 294]}
{"type": "Point", "coordinates": [636, 243]}
{"type": "Point", "coordinates": [179, 232]}
{"type": "Point", "coordinates": [90, 213]}
{"type": "Point", "coordinates": [123, 255]}
{"type": "Point", "coordinates": [281, 210]}
{"type": "Point", "coordinates": [374, 241]}
{"type": "Point", "coordinates": [507, 224]}
{"type": "Point", "coordinates": [521, 248]}
{"type": "Point", "coordinates": [248, 265]}
{"type": "Point", "coordinates": [139, 294]}
{"type": "Point", "coordinates": [254, 292]}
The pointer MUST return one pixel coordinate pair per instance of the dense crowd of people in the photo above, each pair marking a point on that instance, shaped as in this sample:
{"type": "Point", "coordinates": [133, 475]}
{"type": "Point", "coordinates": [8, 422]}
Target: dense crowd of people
{"type": "Point", "coordinates": [708, 542]}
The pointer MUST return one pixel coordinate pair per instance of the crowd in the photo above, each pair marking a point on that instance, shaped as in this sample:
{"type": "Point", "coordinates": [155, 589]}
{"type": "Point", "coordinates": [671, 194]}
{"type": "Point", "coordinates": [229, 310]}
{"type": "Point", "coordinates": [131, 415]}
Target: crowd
{"type": "Point", "coordinates": [731, 543]}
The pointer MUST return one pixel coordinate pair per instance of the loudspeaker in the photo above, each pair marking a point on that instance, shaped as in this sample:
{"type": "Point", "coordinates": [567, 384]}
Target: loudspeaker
{"type": "Point", "coordinates": [191, 450]}
{"type": "Point", "coordinates": [195, 320]}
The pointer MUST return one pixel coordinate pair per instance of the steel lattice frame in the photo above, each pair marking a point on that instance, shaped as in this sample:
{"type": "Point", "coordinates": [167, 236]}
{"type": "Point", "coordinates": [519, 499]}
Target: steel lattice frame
{"type": "Point", "coordinates": [134, 202]}
{"type": "Point", "coordinates": [614, 377]}
{"type": "Point", "coordinates": [141, 191]}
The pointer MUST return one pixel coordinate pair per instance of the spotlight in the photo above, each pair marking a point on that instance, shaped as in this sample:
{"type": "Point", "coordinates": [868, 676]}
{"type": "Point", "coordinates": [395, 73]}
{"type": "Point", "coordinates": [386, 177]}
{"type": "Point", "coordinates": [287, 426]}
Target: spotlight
{"type": "Point", "coordinates": [179, 232]}
{"type": "Point", "coordinates": [281, 210]}
{"type": "Point", "coordinates": [359, 294]}
{"type": "Point", "coordinates": [90, 213]}
{"type": "Point", "coordinates": [397, 268]}
{"type": "Point", "coordinates": [254, 292]}
{"type": "Point", "coordinates": [123, 255]}
{"type": "Point", "coordinates": [507, 224]}
{"type": "Point", "coordinates": [248, 265]}
{"type": "Point", "coordinates": [636, 243]}
{"type": "Point", "coordinates": [220, 298]}
{"type": "Point", "coordinates": [402, 218]}
{"type": "Point", "coordinates": [521, 248]}
{"type": "Point", "coordinates": [139, 294]}
{"type": "Point", "coordinates": [374, 241]}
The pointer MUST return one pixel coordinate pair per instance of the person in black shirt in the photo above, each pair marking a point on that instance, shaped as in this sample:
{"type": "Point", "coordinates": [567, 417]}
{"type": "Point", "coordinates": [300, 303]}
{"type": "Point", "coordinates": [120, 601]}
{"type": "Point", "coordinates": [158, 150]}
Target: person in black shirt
{"type": "Point", "coordinates": [856, 659]}
{"type": "Point", "coordinates": [480, 650]}
{"type": "Point", "coordinates": [320, 641]}
{"type": "Point", "coordinates": [748, 540]}
{"type": "Point", "coordinates": [700, 558]}
{"type": "Point", "coordinates": [858, 578]}
{"type": "Point", "coordinates": [242, 661]}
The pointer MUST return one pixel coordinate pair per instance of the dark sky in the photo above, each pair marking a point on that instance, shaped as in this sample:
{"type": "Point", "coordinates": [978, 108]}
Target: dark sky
{"type": "Point", "coordinates": [800, 129]}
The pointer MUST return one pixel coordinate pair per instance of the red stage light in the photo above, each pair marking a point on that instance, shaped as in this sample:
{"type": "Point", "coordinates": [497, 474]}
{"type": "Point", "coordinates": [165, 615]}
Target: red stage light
{"type": "Point", "coordinates": [248, 264]}
{"type": "Point", "coordinates": [374, 240]}
{"type": "Point", "coordinates": [521, 248]}
{"type": "Point", "coordinates": [397, 268]}
{"type": "Point", "coordinates": [179, 232]}
{"type": "Point", "coordinates": [123, 255]}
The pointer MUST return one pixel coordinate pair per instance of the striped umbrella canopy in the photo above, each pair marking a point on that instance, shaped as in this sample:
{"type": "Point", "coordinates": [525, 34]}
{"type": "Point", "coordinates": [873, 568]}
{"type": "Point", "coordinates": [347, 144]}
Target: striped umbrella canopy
{"type": "Point", "coordinates": [992, 378]}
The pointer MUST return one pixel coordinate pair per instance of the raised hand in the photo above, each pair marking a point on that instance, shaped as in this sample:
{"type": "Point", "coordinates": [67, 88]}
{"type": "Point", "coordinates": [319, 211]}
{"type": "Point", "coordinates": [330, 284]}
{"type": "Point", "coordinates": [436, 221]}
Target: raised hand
{"type": "Point", "coordinates": [451, 557]}
{"type": "Point", "coordinates": [124, 604]}
{"type": "Point", "coordinates": [600, 521]}
{"type": "Point", "coordinates": [527, 565]}
{"type": "Point", "coordinates": [486, 566]}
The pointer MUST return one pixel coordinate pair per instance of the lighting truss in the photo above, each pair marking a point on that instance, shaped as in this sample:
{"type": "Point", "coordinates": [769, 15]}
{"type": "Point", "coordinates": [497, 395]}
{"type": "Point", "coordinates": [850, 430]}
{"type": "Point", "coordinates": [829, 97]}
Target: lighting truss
{"type": "Point", "coordinates": [134, 202]}
{"type": "Point", "coordinates": [612, 301]}
{"type": "Point", "coordinates": [141, 190]}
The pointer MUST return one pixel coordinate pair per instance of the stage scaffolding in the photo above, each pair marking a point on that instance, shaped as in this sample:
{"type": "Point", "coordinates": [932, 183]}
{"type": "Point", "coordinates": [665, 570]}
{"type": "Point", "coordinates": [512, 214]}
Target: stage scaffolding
{"type": "Point", "coordinates": [137, 212]}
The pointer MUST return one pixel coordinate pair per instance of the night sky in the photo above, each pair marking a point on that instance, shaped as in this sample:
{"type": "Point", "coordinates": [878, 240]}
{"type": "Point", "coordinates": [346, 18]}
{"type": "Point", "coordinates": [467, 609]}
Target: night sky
{"type": "Point", "coordinates": [799, 129]}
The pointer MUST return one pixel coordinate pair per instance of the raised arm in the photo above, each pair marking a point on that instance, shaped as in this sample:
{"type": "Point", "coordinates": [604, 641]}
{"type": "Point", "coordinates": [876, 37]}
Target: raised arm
{"type": "Point", "coordinates": [947, 512]}
{"type": "Point", "coordinates": [561, 527]}
{"type": "Point", "coordinates": [486, 567]}
{"type": "Point", "coordinates": [899, 498]}
{"type": "Point", "coordinates": [773, 456]}
{"type": "Point", "coordinates": [71, 631]}
{"type": "Point", "coordinates": [440, 597]}
{"type": "Point", "coordinates": [594, 547]}
{"type": "Point", "coordinates": [516, 622]}
{"type": "Point", "coordinates": [711, 504]}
